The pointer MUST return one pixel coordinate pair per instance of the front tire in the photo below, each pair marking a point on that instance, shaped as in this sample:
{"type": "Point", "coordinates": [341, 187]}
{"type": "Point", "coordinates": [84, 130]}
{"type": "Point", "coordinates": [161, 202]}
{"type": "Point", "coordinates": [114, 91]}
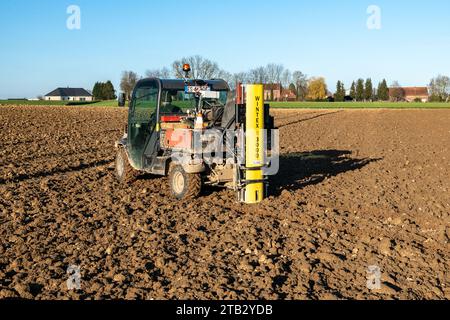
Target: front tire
{"type": "Point", "coordinates": [182, 185]}
{"type": "Point", "coordinates": [125, 173]}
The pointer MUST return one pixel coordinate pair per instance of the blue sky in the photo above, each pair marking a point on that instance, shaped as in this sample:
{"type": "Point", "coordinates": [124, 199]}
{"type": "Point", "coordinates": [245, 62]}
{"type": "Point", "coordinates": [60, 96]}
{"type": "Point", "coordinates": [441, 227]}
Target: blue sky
{"type": "Point", "coordinates": [321, 38]}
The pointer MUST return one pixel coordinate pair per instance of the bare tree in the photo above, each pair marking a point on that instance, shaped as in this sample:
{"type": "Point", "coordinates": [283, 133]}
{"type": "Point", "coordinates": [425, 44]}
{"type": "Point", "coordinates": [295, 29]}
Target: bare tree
{"type": "Point", "coordinates": [240, 77]}
{"type": "Point", "coordinates": [274, 72]}
{"type": "Point", "coordinates": [440, 88]}
{"type": "Point", "coordinates": [253, 76]}
{"type": "Point", "coordinates": [396, 92]}
{"type": "Point", "coordinates": [257, 75]}
{"type": "Point", "coordinates": [228, 77]}
{"type": "Point", "coordinates": [201, 68]}
{"type": "Point", "coordinates": [261, 74]}
{"type": "Point", "coordinates": [301, 84]}
{"type": "Point", "coordinates": [163, 73]}
{"type": "Point", "coordinates": [271, 71]}
{"type": "Point", "coordinates": [286, 78]}
{"type": "Point", "coordinates": [128, 82]}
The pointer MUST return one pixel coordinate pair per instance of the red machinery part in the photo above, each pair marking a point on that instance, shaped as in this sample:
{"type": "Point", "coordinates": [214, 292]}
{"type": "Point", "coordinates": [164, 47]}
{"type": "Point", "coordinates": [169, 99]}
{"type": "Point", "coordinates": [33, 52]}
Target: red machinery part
{"type": "Point", "coordinates": [240, 93]}
{"type": "Point", "coordinates": [178, 138]}
{"type": "Point", "coordinates": [170, 118]}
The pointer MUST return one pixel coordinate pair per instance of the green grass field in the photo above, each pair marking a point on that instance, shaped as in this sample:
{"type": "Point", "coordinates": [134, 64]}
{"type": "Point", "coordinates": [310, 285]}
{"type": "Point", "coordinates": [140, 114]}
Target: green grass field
{"type": "Point", "coordinates": [110, 103]}
{"type": "Point", "coordinates": [275, 105]}
{"type": "Point", "coordinates": [33, 103]}
{"type": "Point", "coordinates": [358, 105]}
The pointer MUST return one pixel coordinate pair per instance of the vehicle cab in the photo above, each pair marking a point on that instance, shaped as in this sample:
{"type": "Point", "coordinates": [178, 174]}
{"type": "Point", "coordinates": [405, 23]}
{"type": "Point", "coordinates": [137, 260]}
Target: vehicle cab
{"type": "Point", "coordinates": [160, 109]}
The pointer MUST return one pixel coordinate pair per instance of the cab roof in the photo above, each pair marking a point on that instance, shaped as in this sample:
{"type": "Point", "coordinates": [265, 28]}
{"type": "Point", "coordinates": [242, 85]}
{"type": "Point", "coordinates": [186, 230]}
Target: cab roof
{"type": "Point", "coordinates": [179, 84]}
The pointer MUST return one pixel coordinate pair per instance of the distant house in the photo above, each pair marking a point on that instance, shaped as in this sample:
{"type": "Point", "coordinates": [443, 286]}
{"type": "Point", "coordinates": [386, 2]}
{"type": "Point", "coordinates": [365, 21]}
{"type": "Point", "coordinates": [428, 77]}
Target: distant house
{"type": "Point", "coordinates": [69, 94]}
{"type": "Point", "coordinates": [272, 91]}
{"type": "Point", "coordinates": [409, 94]}
{"type": "Point", "coordinates": [288, 95]}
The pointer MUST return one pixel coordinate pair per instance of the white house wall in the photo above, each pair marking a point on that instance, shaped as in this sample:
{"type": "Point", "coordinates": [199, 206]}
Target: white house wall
{"type": "Point", "coordinates": [69, 98]}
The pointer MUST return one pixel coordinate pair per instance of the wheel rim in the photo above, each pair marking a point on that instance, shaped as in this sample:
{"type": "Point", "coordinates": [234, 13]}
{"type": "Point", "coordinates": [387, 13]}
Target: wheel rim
{"type": "Point", "coordinates": [178, 182]}
{"type": "Point", "coordinates": [119, 165]}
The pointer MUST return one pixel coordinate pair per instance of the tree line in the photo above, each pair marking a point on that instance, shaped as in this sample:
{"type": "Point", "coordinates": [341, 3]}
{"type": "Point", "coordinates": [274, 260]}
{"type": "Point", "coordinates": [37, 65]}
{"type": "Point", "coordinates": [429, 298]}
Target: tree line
{"type": "Point", "coordinates": [362, 90]}
{"type": "Point", "coordinates": [104, 91]}
{"type": "Point", "coordinates": [305, 88]}
{"type": "Point", "coordinates": [202, 68]}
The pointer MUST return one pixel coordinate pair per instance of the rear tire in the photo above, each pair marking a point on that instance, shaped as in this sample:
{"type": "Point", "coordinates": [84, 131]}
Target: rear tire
{"type": "Point", "coordinates": [125, 173]}
{"type": "Point", "coordinates": [184, 186]}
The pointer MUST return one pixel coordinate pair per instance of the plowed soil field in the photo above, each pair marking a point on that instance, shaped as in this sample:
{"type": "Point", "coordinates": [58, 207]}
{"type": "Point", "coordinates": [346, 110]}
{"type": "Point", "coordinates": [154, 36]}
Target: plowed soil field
{"type": "Point", "coordinates": [355, 189]}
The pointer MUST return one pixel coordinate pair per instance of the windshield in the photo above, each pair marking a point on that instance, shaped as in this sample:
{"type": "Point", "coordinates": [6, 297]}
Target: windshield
{"type": "Point", "coordinates": [174, 101]}
{"type": "Point", "coordinates": [145, 102]}
{"type": "Point", "coordinates": [223, 97]}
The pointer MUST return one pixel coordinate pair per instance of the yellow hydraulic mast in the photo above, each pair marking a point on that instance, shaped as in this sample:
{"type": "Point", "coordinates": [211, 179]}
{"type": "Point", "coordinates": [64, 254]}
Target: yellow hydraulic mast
{"type": "Point", "coordinates": [254, 144]}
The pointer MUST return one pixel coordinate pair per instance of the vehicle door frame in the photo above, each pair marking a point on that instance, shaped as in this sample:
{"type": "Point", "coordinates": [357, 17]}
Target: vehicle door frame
{"type": "Point", "coordinates": [131, 117]}
{"type": "Point", "coordinates": [153, 146]}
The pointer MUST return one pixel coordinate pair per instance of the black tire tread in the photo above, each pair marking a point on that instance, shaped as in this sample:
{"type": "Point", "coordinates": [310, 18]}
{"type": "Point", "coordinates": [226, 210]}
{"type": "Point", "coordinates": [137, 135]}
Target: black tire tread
{"type": "Point", "coordinates": [193, 181]}
{"type": "Point", "coordinates": [194, 186]}
{"type": "Point", "coordinates": [130, 175]}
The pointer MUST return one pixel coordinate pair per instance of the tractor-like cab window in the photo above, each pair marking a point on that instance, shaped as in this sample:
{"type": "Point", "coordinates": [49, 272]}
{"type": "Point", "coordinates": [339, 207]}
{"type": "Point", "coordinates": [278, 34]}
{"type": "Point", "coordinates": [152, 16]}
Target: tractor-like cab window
{"type": "Point", "coordinates": [145, 101]}
{"type": "Point", "coordinates": [211, 99]}
{"type": "Point", "coordinates": [142, 120]}
{"type": "Point", "coordinates": [223, 98]}
{"type": "Point", "coordinates": [176, 101]}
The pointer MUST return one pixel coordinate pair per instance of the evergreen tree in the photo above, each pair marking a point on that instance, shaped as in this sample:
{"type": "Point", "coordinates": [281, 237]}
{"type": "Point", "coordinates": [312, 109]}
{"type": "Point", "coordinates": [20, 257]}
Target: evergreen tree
{"type": "Point", "coordinates": [386, 90]}
{"type": "Point", "coordinates": [380, 91]}
{"type": "Point", "coordinates": [96, 92]}
{"type": "Point", "coordinates": [104, 91]}
{"type": "Point", "coordinates": [368, 92]}
{"type": "Point", "coordinates": [375, 95]}
{"type": "Point", "coordinates": [353, 91]}
{"type": "Point", "coordinates": [383, 91]}
{"type": "Point", "coordinates": [109, 93]}
{"type": "Point", "coordinates": [101, 91]}
{"type": "Point", "coordinates": [340, 92]}
{"type": "Point", "coordinates": [360, 90]}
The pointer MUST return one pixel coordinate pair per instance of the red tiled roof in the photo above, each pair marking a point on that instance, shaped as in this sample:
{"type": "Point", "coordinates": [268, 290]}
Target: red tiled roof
{"type": "Point", "coordinates": [413, 91]}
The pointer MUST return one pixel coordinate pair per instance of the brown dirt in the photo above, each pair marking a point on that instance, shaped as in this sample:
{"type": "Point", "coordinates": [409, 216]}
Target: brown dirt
{"type": "Point", "coordinates": [356, 188]}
